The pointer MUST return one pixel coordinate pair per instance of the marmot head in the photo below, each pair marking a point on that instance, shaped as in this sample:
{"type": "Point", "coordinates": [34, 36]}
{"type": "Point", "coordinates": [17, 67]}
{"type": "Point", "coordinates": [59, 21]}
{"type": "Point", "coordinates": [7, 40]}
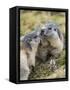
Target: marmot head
{"type": "Point", "coordinates": [51, 30]}
{"type": "Point", "coordinates": [31, 40]}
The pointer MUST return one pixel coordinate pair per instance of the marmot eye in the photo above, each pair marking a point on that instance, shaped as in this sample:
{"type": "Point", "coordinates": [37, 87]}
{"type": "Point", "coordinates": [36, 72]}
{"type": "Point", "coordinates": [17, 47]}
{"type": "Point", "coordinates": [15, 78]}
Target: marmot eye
{"type": "Point", "coordinates": [35, 36]}
{"type": "Point", "coordinates": [49, 28]}
{"type": "Point", "coordinates": [54, 29]}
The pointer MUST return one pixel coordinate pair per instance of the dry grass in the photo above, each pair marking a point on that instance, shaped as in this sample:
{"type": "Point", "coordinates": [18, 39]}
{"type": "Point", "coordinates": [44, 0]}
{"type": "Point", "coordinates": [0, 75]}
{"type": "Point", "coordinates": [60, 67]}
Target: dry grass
{"type": "Point", "coordinates": [28, 21]}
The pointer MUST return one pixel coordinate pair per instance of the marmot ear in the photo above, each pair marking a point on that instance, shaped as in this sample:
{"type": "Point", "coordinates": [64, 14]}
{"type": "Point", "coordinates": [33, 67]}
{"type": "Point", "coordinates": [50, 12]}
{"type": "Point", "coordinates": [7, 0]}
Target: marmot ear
{"type": "Point", "coordinates": [28, 45]}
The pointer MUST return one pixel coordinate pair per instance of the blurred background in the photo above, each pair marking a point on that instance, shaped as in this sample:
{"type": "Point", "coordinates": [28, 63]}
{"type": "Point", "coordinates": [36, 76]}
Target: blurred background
{"type": "Point", "coordinates": [29, 20]}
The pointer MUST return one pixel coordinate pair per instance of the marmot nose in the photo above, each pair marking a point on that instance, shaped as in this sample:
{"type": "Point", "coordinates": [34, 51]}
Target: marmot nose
{"type": "Point", "coordinates": [45, 34]}
{"type": "Point", "coordinates": [49, 28]}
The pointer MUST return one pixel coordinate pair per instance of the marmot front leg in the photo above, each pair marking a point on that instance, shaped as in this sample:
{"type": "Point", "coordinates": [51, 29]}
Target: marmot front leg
{"type": "Point", "coordinates": [24, 68]}
{"type": "Point", "coordinates": [24, 73]}
{"type": "Point", "coordinates": [52, 65]}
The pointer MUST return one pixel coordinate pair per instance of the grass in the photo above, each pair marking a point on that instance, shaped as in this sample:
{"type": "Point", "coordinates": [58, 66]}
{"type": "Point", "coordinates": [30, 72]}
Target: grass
{"type": "Point", "coordinates": [41, 70]}
{"type": "Point", "coordinates": [28, 21]}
